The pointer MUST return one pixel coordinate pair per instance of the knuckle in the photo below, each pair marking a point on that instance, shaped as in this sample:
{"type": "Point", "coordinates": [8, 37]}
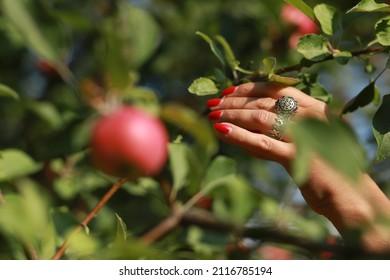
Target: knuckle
{"type": "Point", "coordinates": [265, 143]}
{"type": "Point", "coordinates": [246, 88]}
{"type": "Point", "coordinates": [261, 117]}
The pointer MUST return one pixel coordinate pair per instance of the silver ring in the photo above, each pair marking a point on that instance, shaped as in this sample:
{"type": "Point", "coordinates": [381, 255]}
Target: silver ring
{"type": "Point", "coordinates": [285, 109]}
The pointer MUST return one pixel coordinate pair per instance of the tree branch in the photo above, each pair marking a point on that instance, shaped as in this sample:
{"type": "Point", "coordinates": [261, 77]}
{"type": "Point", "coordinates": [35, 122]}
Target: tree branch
{"type": "Point", "coordinates": [205, 219]}
{"type": "Point", "coordinates": [114, 188]}
{"type": "Point", "coordinates": [261, 76]}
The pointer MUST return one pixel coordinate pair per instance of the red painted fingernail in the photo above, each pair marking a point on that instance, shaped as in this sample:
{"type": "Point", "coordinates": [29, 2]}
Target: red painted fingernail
{"type": "Point", "coordinates": [228, 90]}
{"type": "Point", "coordinates": [215, 115]}
{"type": "Point", "coordinates": [222, 128]}
{"type": "Point", "coordinates": [213, 102]}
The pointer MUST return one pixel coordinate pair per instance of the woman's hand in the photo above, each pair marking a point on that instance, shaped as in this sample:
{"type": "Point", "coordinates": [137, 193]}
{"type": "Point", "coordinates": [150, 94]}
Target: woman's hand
{"type": "Point", "coordinates": [245, 116]}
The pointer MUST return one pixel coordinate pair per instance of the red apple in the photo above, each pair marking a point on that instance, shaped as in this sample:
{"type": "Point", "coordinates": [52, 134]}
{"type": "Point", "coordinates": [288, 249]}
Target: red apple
{"type": "Point", "coordinates": [129, 143]}
{"type": "Point", "coordinates": [292, 15]}
{"type": "Point", "coordinates": [271, 252]}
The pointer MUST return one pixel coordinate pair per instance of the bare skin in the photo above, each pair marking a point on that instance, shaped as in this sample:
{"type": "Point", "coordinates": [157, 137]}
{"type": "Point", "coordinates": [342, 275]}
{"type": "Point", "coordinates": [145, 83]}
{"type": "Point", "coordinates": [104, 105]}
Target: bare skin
{"type": "Point", "coordinates": [245, 116]}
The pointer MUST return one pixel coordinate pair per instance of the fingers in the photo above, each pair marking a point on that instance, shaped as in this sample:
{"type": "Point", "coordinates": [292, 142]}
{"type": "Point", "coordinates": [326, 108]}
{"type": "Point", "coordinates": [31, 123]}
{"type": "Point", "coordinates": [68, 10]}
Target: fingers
{"type": "Point", "coordinates": [264, 95]}
{"type": "Point", "coordinates": [272, 90]}
{"type": "Point", "coordinates": [253, 120]}
{"type": "Point", "coordinates": [245, 116]}
{"type": "Point", "coordinates": [258, 145]}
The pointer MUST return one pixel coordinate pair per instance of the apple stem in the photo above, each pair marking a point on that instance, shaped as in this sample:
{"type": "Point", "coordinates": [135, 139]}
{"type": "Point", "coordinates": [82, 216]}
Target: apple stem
{"type": "Point", "coordinates": [114, 188]}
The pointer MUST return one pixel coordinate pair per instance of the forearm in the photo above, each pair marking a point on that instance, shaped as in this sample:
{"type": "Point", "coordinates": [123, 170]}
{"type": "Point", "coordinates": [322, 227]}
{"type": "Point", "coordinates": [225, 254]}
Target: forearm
{"type": "Point", "coordinates": [354, 208]}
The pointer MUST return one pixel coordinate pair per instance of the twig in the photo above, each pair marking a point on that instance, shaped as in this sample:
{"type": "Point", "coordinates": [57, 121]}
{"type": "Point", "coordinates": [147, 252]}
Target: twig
{"type": "Point", "coordinates": [114, 188]}
{"type": "Point", "coordinates": [162, 229]}
{"type": "Point", "coordinates": [171, 221]}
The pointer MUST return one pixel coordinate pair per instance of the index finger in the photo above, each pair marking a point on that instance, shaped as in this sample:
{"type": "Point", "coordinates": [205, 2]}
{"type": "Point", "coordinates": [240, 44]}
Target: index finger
{"type": "Point", "coordinates": [272, 90]}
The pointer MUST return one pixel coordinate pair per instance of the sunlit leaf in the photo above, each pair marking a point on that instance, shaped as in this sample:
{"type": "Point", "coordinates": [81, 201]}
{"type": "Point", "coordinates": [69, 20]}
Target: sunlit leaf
{"type": "Point", "coordinates": [6, 91]}
{"type": "Point", "coordinates": [313, 47]}
{"type": "Point", "coordinates": [328, 17]}
{"type": "Point", "coordinates": [179, 165]}
{"type": "Point", "coordinates": [269, 63]}
{"type": "Point", "coordinates": [342, 57]}
{"type": "Point", "coordinates": [121, 229]}
{"type": "Point", "coordinates": [219, 168]}
{"type": "Point", "coordinates": [381, 128]}
{"type": "Point", "coordinates": [235, 200]}
{"type": "Point", "coordinates": [203, 86]}
{"type": "Point", "coordinates": [15, 163]}
{"type": "Point", "coordinates": [370, 6]}
{"type": "Point", "coordinates": [190, 123]}
{"type": "Point", "coordinates": [382, 29]}
{"type": "Point", "coordinates": [288, 81]}
{"type": "Point", "coordinates": [24, 217]}
{"type": "Point", "coordinates": [228, 52]}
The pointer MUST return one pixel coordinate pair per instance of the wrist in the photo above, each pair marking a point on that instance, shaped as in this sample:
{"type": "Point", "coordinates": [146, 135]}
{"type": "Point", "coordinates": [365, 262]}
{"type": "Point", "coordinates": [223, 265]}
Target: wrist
{"type": "Point", "coordinates": [359, 210]}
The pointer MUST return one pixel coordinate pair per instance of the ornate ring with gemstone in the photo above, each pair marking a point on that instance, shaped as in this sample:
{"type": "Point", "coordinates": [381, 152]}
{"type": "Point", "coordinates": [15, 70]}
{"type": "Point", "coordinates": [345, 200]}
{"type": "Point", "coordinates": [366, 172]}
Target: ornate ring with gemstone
{"type": "Point", "coordinates": [285, 108]}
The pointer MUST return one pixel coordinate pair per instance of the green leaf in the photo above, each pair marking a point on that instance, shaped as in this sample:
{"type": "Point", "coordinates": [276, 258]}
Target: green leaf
{"type": "Point", "coordinates": [18, 15]}
{"type": "Point", "coordinates": [313, 47]}
{"type": "Point", "coordinates": [329, 141]}
{"type": "Point", "coordinates": [47, 112]}
{"type": "Point", "coordinates": [218, 171]}
{"type": "Point", "coordinates": [203, 86]}
{"type": "Point", "coordinates": [228, 52]}
{"type": "Point", "coordinates": [303, 7]}
{"type": "Point", "coordinates": [15, 163]}
{"type": "Point", "coordinates": [121, 229]}
{"type": "Point", "coordinates": [381, 129]}
{"type": "Point", "coordinates": [213, 46]}
{"type": "Point", "coordinates": [131, 38]}
{"type": "Point", "coordinates": [269, 63]}
{"type": "Point", "coordinates": [179, 165]}
{"type": "Point", "coordinates": [205, 144]}
{"type": "Point", "coordinates": [328, 17]}
{"type": "Point", "coordinates": [289, 81]}
{"type": "Point", "coordinates": [25, 218]}
{"type": "Point", "coordinates": [6, 91]}
{"type": "Point", "coordinates": [370, 6]}
{"type": "Point", "coordinates": [382, 29]}
{"type": "Point", "coordinates": [235, 201]}
{"type": "Point", "coordinates": [365, 97]}
{"type": "Point", "coordinates": [342, 57]}
{"type": "Point", "coordinates": [311, 85]}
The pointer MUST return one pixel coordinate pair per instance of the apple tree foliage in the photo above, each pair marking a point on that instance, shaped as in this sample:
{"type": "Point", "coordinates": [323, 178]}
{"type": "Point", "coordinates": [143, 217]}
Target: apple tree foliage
{"type": "Point", "coordinates": [61, 61]}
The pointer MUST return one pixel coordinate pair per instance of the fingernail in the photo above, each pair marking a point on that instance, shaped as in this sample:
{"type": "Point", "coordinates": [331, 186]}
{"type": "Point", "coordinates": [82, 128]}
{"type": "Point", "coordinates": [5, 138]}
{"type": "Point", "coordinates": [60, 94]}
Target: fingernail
{"type": "Point", "coordinates": [215, 115]}
{"type": "Point", "coordinates": [222, 128]}
{"type": "Point", "coordinates": [213, 102]}
{"type": "Point", "coordinates": [229, 90]}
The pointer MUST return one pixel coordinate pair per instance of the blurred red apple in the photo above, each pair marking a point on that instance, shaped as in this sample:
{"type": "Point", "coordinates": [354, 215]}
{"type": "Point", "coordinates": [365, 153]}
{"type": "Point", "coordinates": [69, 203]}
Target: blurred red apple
{"type": "Point", "coordinates": [129, 143]}
{"type": "Point", "coordinates": [304, 25]}
{"type": "Point", "coordinates": [271, 252]}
